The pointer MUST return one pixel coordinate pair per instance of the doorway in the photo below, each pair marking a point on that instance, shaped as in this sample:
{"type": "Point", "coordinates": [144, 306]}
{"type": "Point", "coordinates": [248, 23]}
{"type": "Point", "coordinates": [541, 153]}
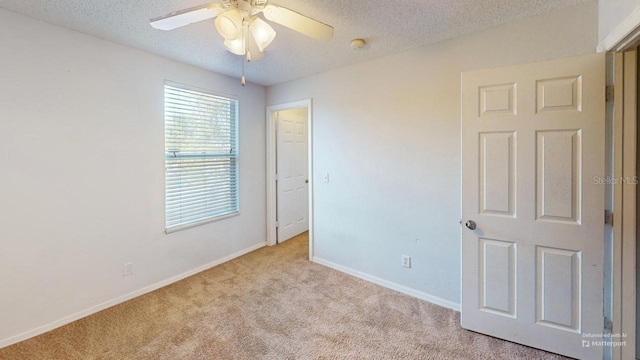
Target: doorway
{"type": "Point", "coordinates": [292, 179]}
{"type": "Point", "coordinates": [289, 172]}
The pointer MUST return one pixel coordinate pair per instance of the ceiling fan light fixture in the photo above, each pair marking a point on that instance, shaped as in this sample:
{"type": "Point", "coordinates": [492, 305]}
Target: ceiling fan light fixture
{"type": "Point", "coordinates": [229, 24]}
{"type": "Point", "coordinates": [244, 32]}
{"type": "Point", "coordinates": [235, 46]}
{"type": "Point", "coordinates": [263, 34]}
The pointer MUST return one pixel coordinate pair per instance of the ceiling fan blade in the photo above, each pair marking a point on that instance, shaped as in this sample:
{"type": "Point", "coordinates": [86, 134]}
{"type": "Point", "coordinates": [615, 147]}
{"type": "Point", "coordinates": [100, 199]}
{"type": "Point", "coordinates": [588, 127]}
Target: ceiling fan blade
{"type": "Point", "coordinates": [185, 17]}
{"type": "Point", "coordinates": [298, 22]}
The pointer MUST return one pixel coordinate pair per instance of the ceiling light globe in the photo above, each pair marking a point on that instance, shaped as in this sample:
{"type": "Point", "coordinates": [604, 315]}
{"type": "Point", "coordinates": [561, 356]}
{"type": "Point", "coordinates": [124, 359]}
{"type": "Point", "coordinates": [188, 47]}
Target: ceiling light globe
{"type": "Point", "coordinates": [229, 24]}
{"type": "Point", "coordinates": [235, 46]}
{"type": "Point", "coordinates": [262, 33]}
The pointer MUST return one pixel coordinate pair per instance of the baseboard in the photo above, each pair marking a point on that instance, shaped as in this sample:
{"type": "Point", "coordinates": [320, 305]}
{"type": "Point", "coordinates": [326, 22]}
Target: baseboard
{"type": "Point", "coordinates": [107, 304]}
{"type": "Point", "coordinates": [390, 285]}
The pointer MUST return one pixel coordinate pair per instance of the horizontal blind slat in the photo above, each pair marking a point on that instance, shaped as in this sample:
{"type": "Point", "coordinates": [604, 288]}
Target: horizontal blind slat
{"type": "Point", "coordinates": [195, 206]}
{"type": "Point", "coordinates": [220, 190]}
{"type": "Point", "coordinates": [184, 190]}
{"type": "Point", "coordinates": [197, 210]}
{"type": "Point", "coordinates": [198, 201]}
{"type": "Point", "coordinates": [197, 163]}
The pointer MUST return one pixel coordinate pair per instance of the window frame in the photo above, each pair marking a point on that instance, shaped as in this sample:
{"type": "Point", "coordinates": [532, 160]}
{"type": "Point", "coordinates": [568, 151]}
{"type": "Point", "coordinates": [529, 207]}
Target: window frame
{"type": "Point", "coordinates": [236, 125]}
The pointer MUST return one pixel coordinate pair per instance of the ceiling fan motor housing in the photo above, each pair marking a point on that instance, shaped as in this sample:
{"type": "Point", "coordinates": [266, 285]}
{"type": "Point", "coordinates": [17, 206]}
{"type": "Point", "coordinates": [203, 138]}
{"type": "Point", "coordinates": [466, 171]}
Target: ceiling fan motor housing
{"type": "Point", "coordinates": [259, 3]}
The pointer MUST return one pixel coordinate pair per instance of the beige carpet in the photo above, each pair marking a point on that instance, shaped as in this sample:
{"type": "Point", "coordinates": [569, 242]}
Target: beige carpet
{"type": "Point", "coordinates": [270, 304]}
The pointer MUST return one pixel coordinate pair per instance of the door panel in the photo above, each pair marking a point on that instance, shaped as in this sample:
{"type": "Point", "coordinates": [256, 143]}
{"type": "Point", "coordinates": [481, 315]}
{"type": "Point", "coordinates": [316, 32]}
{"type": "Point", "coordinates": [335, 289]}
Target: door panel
{"type": "Point", "coordinates": [496, 277]}
{"type": "Point", "coordinates": [533, 141]}
{"type": "Point", "coordinates": [497, 173]}
{"type": "Point", "coordinates": [292, 183]}
{"type": "Point", "coordinates": [558, 177]}
{"type": "Point", "coordinates": [557, 288]}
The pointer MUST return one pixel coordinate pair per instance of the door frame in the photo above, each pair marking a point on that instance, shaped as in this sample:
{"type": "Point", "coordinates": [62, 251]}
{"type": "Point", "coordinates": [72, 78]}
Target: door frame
{"type": "Point", "coordinates": [622, 43]}
{"type": "Point", "coordinates": [625, 144]}
{"type": "Point", "coordinates": [271, 166]}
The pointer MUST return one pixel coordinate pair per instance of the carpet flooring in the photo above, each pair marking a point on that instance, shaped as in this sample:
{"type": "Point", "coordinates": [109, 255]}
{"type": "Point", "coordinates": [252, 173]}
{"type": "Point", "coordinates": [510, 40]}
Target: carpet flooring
{"type": "Point", "coordinates": [270, 304]}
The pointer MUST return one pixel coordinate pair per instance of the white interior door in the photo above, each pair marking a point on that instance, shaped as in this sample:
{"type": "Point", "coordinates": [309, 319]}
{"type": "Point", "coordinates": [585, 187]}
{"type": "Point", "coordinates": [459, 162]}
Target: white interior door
{"type": "Point", "coordinates": [292, 173]}
{"type": "Point", "coordinates": [533, 151]}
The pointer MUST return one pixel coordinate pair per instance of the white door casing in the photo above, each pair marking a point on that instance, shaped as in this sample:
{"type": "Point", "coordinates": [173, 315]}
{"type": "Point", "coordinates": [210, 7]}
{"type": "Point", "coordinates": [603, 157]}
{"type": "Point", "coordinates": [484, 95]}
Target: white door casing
{"type": "Point", "coordinates": [292, 174]}
{"type": "Point", "coordinates": [532, 148]}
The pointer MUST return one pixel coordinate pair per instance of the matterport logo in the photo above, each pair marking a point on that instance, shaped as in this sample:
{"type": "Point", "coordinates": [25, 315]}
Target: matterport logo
{"type": "Point", "coordinates": [604, 340]}
{"type": "Point", "coordinates": [610, 180]}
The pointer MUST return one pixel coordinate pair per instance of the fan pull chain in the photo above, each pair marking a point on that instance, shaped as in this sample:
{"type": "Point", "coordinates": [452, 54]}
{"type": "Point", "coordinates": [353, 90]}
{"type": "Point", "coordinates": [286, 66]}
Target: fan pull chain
{"type": "Point", "coordinates": [244, 47]}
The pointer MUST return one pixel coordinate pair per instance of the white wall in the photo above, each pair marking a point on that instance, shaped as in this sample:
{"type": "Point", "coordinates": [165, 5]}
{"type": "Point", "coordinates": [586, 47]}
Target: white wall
{"type": "Point", "coordinates": [388, 133]}
{"type": "Point", "coordinates": [612, 13]}
{"type": "Point", "coordinates": [82, 176]}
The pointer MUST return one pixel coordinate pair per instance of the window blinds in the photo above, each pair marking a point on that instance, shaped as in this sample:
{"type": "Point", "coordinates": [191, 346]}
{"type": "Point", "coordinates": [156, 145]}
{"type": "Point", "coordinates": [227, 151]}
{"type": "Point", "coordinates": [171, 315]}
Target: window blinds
{"type": "Point", "coordinates": [201, 156]}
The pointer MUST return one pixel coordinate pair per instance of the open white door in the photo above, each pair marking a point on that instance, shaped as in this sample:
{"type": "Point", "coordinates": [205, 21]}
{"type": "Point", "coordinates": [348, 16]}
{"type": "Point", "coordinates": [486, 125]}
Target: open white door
{"type": "Point", "coordinates": [532, 160]}
{"type": "Point", "coordinates": [292, 173]}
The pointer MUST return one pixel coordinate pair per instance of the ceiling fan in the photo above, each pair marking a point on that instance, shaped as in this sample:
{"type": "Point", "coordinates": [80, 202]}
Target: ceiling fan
{"type": "Point", "coordinates": [239, 23]}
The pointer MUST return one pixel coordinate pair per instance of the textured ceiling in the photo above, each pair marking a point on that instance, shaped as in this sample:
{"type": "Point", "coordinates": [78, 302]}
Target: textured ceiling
{"type": "Point", "coordinates": [389, 26]}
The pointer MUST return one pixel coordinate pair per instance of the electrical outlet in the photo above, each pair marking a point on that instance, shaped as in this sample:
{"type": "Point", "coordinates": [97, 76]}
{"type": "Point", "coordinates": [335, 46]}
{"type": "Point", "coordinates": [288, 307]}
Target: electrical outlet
{"type": "Point", "coordinates": [127, 269]}
{"type": "Point", "coordinates": [326, 177]}
{"type": "Point", "coordinates": [406, 261]}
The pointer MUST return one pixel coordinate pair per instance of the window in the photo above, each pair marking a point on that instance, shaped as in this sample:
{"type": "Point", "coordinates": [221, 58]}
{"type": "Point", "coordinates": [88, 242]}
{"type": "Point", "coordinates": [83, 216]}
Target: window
{"type": "Point", "coordinates": [201, 157]}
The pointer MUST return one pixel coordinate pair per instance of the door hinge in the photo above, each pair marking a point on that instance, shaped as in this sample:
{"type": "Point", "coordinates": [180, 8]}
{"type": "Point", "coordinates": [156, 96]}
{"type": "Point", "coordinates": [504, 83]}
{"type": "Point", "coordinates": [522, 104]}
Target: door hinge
{"type": "Point", "coordinates": [608, 324]}
{"type": "Point", "coordinates": [609, 93]}
{"type": "Point", "coordinates": [277, 224]}
{"type": "Point", "coordinates": [608, 217]}
{"type": "Point", "coordinates": [277, 177]}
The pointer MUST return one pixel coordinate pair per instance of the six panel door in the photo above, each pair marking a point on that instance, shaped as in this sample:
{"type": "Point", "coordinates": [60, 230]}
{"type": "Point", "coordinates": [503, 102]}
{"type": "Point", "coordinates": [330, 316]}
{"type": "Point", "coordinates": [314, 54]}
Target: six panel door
{"type": "Point", "coordinates": [533, 146]}
{"type": "Point", "coordinates": [292, 170]}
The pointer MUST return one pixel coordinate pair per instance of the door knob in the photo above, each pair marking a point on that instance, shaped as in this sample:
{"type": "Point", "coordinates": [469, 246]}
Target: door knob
{"type": "Point", "coordinates": [306, 181]}
{"type": "Point", "coordinates": [471, 225]}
